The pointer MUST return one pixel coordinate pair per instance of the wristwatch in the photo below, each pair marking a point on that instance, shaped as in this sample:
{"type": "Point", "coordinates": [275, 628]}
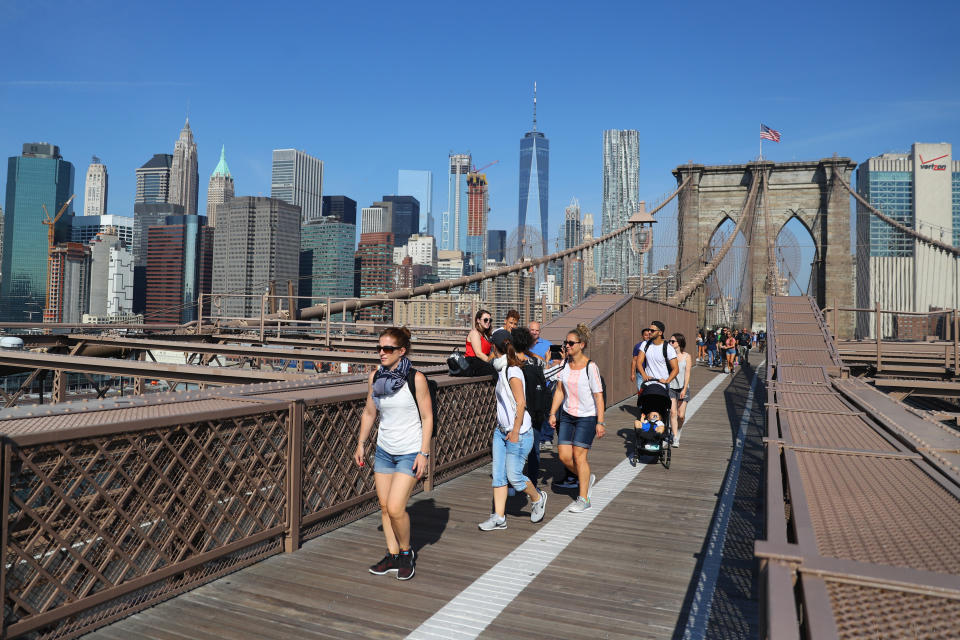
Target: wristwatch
{"type": "Point", "coordinates": [425, 455]}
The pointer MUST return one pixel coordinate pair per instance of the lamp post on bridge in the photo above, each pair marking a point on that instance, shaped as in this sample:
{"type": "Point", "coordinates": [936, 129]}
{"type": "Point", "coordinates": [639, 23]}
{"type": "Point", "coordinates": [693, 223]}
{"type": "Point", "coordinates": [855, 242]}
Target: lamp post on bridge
{"type": "Point", "coordinates": [641, 219]}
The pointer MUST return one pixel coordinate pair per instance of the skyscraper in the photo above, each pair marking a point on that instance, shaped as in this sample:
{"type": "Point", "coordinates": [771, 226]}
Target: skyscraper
{"type": "Point", "coordinates": [572, 277]}
{"type": "Point", "coordinates": [478, 207]}
{"type": "Point", "coordinates": [496, 245]}
{"type": "Point", "coordinates": [454, 237]}
{"type": "Point", "coordinates": [111, 275]}
{"type": "Point", "coordinates": [153, 179]}
{"type": "Point", "coordinates": [298, 180]}
{"type": "Point", "coordinates": [621, 196]}
{"type": "Point", "coordinates": [377, 218]}
{"type": "Point", "coordinates": [220, 188]}
{"type": "Point", "coordinates": [85, 228]}
{"type": "Point", "coordinates": [920, 190]}
{"type": "Point", "coordinates": [418, 184]}
{"type": "Point", "coordinates": [37, 178]}
{"type": "Point", "coordinates": [179, 264]}
{"type": "Point", "coordinates": [69, 284]}
{"type": "Point", "coordinates": [340, 207]}
{"type": "Point", "coordinates": [95, 192]}
{"type": "Point", "coordinates": [327, 248]}
{"type": "Point", "coordinates": [146, 215]}
{"type": "Point", "coordinates": [184, 174]}
{"type": "Point", "coordinates": [257, 242]}
{"type": "Point", "coordinates": [374, 260]}
{"type": "Point", "coordinates": [405, 217]}
{"type": "Point", "coordinates": [589, 255]}
{"type": "Point", "coordinates": [534, 181]}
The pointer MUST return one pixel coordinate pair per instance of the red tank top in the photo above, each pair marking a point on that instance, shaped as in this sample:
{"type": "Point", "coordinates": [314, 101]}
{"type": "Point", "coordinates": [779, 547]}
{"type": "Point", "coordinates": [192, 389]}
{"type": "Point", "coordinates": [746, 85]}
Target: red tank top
{"type": "Point", "coordinates": [485, 346]}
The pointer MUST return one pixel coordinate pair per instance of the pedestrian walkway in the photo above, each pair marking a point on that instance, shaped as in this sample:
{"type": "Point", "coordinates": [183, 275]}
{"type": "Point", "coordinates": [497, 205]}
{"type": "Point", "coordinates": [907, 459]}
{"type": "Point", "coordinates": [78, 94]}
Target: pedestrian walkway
{"type": "Point", "coordinates": [662, 553]}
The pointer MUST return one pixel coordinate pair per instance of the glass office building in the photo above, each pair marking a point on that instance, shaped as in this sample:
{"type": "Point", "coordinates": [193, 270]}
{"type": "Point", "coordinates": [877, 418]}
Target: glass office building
{"type": "Point", "coordinates": [297, 179]}
{"type": "Point", "coordinates": [153, 179]}
{"type": "Point", "coordinates": [326, 260]}
{"type": "Point", "coordinates": [405, 218]}
{"type": "Point", "coordinates": [534, 184]}
{"type": "Point", "coordinates": [38, 178]}
{"type": "Point", "coordinates": [892, 193]}
{"type": "Point", "coordinates": [418, 184]}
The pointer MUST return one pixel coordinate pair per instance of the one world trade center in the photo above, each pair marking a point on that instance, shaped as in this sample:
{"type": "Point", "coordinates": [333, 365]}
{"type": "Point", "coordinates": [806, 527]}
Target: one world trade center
{"type": "Point", "coordinates": [534, 183]}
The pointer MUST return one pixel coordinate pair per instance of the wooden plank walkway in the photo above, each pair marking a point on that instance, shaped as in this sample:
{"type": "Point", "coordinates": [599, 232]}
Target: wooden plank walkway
{"type": "Point", "coordinates": [634, 572]}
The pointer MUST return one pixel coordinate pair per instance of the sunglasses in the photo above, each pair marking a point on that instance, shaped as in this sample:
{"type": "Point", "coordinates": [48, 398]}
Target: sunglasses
{"type": "Point", "coordinates": [570, 343]}
{"type": "Point", "coordinates": [672, 341]}
{"type": "Point", "coordinates": [386, 348]}
{"type": "Point", "coordinates": [484, 320]}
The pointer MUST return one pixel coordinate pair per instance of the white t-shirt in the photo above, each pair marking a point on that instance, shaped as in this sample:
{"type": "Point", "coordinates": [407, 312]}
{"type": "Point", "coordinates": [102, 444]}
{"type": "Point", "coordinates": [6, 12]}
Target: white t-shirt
{"type": "Point", "coordinates": [579, 385]}
{"type": "Point", "coordinates": [506, 403]}
{"type": "Point", "coordinates": [654, 365]}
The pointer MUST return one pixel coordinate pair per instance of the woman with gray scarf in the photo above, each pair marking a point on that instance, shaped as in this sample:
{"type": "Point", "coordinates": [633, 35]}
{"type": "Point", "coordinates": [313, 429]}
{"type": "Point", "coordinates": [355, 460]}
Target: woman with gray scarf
{"type": "Point", "coordinates": [403, 445]}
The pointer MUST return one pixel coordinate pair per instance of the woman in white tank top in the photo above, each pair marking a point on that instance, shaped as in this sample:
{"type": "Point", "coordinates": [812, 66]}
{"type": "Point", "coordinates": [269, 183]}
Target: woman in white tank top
{"type": "Point", "coordinates": [403, 445]}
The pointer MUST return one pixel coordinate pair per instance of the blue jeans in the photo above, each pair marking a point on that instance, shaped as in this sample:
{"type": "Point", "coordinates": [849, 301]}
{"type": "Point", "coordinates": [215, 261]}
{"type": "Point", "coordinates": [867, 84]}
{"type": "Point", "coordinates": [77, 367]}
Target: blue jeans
{"type": "Point", "coordinates": [509, 458]}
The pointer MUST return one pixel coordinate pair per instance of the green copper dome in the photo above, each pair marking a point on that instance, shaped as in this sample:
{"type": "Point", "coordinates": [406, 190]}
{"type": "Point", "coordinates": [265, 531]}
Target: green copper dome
{"type": "Point", "coordinates": [222, 168]}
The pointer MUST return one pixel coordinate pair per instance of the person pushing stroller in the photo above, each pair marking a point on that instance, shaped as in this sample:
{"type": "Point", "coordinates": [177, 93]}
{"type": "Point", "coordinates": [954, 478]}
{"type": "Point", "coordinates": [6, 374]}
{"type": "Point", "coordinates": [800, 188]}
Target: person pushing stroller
{"type": "Point", "coordinates": [657, 364]}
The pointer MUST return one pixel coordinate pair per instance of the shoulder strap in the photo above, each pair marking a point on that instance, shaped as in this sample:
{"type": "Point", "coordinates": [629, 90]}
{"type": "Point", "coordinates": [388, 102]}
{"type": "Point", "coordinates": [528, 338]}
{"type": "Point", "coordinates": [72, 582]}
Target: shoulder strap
{"type": "Point", "coordinates": [412, 385]}
{"type": "Point", "coordinates": [666, 360]}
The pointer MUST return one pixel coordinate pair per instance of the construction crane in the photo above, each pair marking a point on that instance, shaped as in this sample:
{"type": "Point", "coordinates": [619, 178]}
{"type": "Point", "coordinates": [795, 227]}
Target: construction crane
{"type": "Point", "coordinates": [475, 170]}
{"type": "Point", "coordinates": [51, 228]}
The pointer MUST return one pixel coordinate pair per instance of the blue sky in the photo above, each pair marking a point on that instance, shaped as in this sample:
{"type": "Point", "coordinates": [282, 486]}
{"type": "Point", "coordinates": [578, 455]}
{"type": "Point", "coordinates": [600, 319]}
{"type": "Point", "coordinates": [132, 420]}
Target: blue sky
{"type": "Point", "coordinates": [373, 87]}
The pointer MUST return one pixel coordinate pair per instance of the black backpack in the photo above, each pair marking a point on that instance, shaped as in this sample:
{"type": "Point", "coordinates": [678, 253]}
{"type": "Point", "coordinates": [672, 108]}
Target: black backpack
{"type": "Point", "coordinates": [538, 394]}
{"type": "Point", "coordinates": [432, 387]}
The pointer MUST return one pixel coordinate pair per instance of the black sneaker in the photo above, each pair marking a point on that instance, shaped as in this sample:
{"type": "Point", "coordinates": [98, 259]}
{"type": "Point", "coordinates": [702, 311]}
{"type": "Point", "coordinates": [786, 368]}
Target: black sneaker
{"type": "Point", "coordinates": [388, 564]}
{"type": "Point", "coordinates": [568, 483]}
{"type": "Point", "coordinates": [405, 565]}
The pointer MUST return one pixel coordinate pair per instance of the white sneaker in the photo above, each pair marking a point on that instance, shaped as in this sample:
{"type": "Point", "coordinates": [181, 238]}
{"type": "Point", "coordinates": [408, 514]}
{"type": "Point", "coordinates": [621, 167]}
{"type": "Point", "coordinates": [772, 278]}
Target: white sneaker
{"type": "Point", "coordinates": [581, 505]}
{"type": "Point", "coordinates": [593, 481]}
{"type": "Point", "coordinates": [676, 441]}
{"type": "Point", "coordinates": [493, 522]}
{"type": "Point", "coordinates": [539, 507]}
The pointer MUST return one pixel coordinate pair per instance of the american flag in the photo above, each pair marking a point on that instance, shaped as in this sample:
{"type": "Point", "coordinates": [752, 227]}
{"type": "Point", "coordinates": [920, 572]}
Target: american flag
{"type": "Point", "coordinates": [767, 133]}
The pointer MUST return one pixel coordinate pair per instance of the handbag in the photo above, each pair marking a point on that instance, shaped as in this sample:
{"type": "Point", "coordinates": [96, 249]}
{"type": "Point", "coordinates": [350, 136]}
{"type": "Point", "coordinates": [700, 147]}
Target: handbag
{"type": "Point", "coordinates": [457, 364]}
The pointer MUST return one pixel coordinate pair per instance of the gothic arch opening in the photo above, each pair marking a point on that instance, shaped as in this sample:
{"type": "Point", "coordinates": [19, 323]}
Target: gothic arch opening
{"type": "Point", "coordinates": [797, 254]}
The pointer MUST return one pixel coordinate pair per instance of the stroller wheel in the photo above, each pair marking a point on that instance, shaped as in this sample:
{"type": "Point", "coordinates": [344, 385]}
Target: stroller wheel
{"type": "Point", "coordinates": [666, 462]}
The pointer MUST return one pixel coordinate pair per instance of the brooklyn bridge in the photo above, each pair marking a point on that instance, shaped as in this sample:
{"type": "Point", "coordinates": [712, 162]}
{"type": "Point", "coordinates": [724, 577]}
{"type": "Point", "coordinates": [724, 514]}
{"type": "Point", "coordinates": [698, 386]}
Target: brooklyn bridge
{"type": "Point", "coordinates": [196, 481]}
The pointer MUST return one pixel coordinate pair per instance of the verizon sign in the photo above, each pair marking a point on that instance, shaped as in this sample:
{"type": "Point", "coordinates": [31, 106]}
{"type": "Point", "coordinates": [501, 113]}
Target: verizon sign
{"type": "Point", "coordinates": [930, 165]}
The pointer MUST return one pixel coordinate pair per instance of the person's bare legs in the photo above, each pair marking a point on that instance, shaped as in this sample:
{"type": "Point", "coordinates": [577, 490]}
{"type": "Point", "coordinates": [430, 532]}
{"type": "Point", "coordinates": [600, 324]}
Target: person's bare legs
{"type": "Point", "coordinates": [400, 488]}
{"type": "Point", "coordinates": [500, 500]}
{"type": "Point", "coordinates": [565, 453]}
{"type": "Point", "coordinates": [383, 483]}
{"type": "Point", "coordinates": [674, 429]}
{"type": "Point", "coordinates": [582, 469]}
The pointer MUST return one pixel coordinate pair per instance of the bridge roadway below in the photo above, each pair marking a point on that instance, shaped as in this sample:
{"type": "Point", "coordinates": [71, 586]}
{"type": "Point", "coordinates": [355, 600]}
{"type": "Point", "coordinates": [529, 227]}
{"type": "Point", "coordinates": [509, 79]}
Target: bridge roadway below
{"type": "Point", "coordinates": [665, 552]}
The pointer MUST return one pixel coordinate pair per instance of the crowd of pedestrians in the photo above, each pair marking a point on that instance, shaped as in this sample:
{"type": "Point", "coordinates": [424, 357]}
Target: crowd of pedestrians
{"type": "Point", "coordinates": [541, 390]}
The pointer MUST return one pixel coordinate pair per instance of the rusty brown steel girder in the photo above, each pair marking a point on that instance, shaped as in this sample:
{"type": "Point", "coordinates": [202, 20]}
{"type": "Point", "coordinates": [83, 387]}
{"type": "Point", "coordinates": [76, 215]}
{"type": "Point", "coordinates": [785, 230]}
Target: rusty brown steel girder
{"type": "Point", "coordinates": [112, 366]}
{"type": "Point", "coordinates": [233, 350]}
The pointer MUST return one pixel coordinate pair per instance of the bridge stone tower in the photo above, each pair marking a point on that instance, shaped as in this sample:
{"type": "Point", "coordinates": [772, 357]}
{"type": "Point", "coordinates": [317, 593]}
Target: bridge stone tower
{"type": "Point", "coordinates": [808, 191]}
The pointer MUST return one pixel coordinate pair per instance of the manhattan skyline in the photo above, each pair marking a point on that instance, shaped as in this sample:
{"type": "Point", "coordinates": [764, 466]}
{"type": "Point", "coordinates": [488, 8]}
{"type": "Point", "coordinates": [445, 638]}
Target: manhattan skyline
{"type": "Point", "coordinates": [679, 77]}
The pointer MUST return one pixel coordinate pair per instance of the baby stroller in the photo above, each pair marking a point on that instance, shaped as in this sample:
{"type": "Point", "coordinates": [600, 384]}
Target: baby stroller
{"type": "Point", "coordinates": [653, 397]}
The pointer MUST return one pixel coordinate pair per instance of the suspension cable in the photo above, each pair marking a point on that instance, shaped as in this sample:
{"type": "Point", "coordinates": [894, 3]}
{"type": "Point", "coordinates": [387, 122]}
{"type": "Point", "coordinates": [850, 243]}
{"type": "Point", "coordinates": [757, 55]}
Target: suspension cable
{"type": "Point", "coordinates": [955, 251]}
{"type": "Point", "coordinates": [320, 311]}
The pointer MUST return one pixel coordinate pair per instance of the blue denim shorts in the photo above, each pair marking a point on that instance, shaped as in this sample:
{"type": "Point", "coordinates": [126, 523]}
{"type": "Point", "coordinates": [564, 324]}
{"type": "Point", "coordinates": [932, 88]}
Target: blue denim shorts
{"type": "Point", "coordinates": [576, 431]}
{"type": "Point", "coordinates": [384, 462]}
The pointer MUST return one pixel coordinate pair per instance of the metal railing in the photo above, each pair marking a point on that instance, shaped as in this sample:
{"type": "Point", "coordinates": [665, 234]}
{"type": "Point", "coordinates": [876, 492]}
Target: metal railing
{"type": "Point", "coordinates": [107, 512]}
